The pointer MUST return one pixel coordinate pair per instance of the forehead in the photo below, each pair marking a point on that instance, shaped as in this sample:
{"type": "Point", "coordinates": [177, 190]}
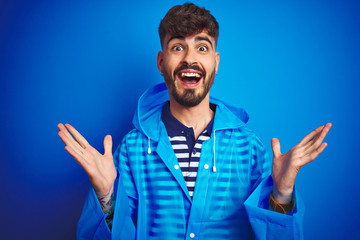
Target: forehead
{"type": "Point", "coordinates": [197, 37]}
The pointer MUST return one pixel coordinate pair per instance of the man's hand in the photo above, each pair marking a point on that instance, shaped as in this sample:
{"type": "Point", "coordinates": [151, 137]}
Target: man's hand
{"type": "Point", "coordinates": [100, 168]}
{"type": "Point", "coordinates": [286, 166]}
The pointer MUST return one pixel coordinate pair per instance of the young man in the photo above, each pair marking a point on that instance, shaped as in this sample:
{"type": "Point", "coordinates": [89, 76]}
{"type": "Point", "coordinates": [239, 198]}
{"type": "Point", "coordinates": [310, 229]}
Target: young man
{"type": "Point", "coordinates": [190, 169]}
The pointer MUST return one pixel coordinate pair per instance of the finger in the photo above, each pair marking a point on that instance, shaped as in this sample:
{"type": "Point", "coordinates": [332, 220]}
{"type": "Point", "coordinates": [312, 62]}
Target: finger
{"type": "Point", "coordinates": [61, 127]}
{"type": "Point", "coordinates": [319, 139]}
{"type": "Point", "coordinates": [64, 137]}
{"type": "Point", "coordinates": [323, 134]}
{"type": "Point", "coordinates": [70, 142]}
{"type": "Point", "coordinates": [310, 136]}
{"type": "Point", "coordinates": [311, 142]}
{"type": "Point", "coordinates": [275, 145]}
{"type": "Point", "coordinates": [79, 138]}
{"type": "Point", "coordinates": [67, 138]}
{"type": "Point", "coordinates": [108, 145]}
{"type": "Point", "coordinates": [76, 156]}
{"type": "Point", "coordinates": [316, 153]}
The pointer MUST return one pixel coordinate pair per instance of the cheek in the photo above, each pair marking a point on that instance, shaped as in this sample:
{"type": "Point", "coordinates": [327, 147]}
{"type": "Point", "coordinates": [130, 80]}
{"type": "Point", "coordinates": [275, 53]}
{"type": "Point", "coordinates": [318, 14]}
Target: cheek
{"type": "Point", "coordinates": [169, 66]}
{"type": "Point", "coordinates": [172, 61]}
{"type": "Point", "coordinates": [210, 66]}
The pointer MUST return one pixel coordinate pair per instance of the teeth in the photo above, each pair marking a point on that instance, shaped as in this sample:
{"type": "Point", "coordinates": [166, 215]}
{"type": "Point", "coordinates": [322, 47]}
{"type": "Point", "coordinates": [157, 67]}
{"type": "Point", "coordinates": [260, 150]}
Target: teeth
{"type": "Point", "coordinates": [190, 75]}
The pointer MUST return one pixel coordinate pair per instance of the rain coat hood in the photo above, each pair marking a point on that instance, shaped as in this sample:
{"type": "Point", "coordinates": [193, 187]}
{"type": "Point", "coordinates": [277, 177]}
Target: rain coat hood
{"type": "Point", "coordinates": [148, 114]}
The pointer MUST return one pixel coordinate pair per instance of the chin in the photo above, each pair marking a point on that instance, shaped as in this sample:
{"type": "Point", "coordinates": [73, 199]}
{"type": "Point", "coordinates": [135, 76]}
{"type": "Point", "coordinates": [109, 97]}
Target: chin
{"type": "Point", "coordinates": [189, 97]}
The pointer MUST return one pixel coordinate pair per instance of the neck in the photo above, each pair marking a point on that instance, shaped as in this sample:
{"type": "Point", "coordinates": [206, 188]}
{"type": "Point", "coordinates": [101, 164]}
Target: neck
{"type": "Point", "coordinates": [197, 117]}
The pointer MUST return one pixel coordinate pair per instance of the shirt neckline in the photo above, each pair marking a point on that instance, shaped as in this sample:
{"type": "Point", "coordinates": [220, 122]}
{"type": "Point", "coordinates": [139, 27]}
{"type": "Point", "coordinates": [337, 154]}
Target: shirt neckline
{"type": "Point", "coordinates": [175, 128]}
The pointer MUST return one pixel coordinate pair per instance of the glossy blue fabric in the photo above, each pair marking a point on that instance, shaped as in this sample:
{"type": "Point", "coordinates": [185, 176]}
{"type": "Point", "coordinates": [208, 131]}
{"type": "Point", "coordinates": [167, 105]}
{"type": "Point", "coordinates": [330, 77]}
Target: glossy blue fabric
{"type": "Point", "coordinates": [152, 200]}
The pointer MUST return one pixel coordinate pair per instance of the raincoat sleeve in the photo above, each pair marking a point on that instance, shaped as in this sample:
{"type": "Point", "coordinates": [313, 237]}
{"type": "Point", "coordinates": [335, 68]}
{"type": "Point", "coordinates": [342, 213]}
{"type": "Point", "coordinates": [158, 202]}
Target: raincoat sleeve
{"type": "Point", "coordinates": [92, 224]}
{"type": "Point", "coordinates": [265, 223]}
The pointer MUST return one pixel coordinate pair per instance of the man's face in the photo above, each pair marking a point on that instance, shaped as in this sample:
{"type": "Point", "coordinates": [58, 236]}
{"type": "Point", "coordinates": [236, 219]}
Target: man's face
{"type": "Point", "coordinates": [189, 65]}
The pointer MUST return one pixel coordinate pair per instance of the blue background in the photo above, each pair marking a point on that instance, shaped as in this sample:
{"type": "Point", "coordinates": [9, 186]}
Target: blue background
{"type": "Point", "coordinates": [293, 65]}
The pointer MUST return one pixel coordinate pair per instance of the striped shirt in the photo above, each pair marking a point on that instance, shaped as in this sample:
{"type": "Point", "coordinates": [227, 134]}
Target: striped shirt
{"type": "Point", "coordinates": [187, 149]}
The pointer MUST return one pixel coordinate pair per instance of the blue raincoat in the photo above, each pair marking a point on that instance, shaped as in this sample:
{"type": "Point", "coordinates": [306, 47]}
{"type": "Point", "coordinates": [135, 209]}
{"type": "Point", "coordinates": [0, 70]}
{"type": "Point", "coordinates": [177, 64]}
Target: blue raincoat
{"type": "Point", "coordinates": [231, 191]}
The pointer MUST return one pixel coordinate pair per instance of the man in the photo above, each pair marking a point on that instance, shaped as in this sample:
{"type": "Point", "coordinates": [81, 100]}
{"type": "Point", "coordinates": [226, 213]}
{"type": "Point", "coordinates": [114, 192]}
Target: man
{"type": "Point", "coordinates": [190, 169]}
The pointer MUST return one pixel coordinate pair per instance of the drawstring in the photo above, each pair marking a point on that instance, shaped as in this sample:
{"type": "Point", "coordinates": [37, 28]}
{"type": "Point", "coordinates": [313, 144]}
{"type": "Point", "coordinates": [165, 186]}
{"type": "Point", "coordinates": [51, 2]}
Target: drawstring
{"type": "Point", "coordinates": [149, 149]}
{"type": "Point", "coordinates": [214, 166]}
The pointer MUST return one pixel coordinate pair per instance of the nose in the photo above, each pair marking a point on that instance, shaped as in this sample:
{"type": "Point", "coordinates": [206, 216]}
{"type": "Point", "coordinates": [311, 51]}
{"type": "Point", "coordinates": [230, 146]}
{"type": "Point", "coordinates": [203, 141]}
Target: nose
{"type": "Point", "coordinates": [189, 57]}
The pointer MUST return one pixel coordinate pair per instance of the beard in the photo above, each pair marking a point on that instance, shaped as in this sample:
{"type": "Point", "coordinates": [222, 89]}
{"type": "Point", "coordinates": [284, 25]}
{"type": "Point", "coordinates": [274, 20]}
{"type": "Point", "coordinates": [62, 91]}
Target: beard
{"type": "Point", "coordinates": [189, 97]}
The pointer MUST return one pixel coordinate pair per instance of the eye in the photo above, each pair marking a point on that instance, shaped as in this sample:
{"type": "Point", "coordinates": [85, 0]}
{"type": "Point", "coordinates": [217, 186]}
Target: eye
{"type": "Point", "coordinates": [202, 48]}
{"type": "Point", "coordinates": [177, 48]}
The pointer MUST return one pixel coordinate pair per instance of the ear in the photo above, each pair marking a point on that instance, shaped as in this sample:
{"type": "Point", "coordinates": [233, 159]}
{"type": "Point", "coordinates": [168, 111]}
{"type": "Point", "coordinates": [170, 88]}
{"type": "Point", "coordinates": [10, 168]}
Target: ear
{"type": "Point", "coordinates": [217, 60]}
{"type": "Point", "coordinates": [160, 61]}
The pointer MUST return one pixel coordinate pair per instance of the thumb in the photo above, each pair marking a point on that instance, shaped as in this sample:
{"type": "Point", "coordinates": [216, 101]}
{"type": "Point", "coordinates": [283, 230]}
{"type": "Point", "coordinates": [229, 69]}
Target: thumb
{"type": "Point", "coordinates": [275, 145]}
{"type": "Point", "coordinates": [108, 145]}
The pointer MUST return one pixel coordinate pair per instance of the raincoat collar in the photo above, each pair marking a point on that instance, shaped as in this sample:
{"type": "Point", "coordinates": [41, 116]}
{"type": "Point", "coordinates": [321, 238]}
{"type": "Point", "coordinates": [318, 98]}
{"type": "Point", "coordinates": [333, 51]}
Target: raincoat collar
{"type": "Point", "coordinates": [147, 118]}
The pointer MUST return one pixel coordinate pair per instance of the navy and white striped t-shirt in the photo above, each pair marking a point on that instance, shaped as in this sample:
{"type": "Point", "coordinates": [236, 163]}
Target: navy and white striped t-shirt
{"type": "Point", "coordinates": [187, 149]}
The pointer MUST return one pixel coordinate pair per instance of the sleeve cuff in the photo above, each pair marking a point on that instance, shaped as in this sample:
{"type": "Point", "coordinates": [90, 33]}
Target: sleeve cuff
{"type": "Point", "coordinates": [265, 222]}
{"type": "Point", "coordinates": [92, 222]}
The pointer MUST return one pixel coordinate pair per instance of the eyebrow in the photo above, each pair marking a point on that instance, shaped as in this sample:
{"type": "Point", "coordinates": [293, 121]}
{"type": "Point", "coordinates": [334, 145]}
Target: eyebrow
{"type": "Point", "coordinates": [202, 38]}
{"type": "Point", "coordinates": [197, 39]}
{"type": "Point", "coordinates": [175, 37]}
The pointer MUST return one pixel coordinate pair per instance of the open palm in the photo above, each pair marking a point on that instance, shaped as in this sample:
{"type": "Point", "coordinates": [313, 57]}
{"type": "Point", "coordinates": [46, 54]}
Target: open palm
{"type": "Point", "coordinates": [286, 166]}
{"type": "Point", "coordinates": [99, 167]}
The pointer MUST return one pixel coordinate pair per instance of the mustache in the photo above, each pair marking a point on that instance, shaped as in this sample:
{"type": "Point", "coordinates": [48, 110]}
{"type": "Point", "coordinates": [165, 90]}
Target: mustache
{"type": "Point", "coordinates": [187, 66]}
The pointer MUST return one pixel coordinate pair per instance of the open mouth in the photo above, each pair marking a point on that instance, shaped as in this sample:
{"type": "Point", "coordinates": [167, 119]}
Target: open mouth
{"type": "Point", "coordinates": [189, 78]}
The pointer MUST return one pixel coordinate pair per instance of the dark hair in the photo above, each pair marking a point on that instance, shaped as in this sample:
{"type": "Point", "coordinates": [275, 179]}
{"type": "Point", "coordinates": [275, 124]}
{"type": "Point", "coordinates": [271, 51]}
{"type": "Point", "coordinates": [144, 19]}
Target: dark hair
{"type": "Point", "coordinates": [188, 19]}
